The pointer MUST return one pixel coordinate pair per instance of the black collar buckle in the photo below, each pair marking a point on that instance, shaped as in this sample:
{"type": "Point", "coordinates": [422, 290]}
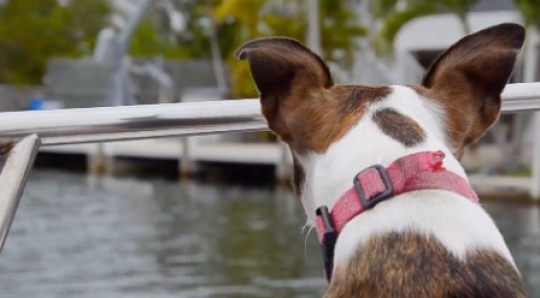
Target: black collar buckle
{"type": "Point", "coordinates": [328, 242]}
{"type": "Point", "coordinates": [388, 192]}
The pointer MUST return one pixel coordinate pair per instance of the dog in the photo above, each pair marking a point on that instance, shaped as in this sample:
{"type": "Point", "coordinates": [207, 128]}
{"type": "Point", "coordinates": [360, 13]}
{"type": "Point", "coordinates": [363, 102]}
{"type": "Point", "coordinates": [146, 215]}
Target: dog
{"type": "Point", "coordinates": [377, 169]}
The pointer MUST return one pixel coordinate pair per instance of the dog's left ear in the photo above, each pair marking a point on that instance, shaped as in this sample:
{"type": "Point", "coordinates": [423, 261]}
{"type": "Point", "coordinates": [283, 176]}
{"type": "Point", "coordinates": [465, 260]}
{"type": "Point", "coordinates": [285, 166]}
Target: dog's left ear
{"type": "Point", "coordinates": [469, 77]}
{"type": "Point", "coordinates": [288, 76]}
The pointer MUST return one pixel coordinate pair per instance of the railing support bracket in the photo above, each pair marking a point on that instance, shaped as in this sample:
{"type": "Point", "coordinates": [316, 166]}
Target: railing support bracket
{"type": "Point", "coordinates": [16, 164]}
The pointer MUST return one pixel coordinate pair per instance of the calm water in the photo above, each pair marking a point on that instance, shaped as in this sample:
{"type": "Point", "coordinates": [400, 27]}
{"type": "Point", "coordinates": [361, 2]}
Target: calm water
{"type": "Point", "coordinates": [77, 236]}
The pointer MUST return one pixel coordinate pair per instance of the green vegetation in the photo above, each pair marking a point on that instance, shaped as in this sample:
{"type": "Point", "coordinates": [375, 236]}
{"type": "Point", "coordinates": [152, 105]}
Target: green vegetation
{"type": "Point", "coordinates": [522, 173]}
{"type": "Point", "coordinates": [31, 31]}
{"type": "Point", "coordinates": [146, 42]}
{"type": "Point", "coordinates": [155, 36]}
{"type": "Point", "coordinates": [395, 14]}
{"type": "Point", "coordinates": [248, 19]}
{"type": "Point", "coordinates": [530, 9]}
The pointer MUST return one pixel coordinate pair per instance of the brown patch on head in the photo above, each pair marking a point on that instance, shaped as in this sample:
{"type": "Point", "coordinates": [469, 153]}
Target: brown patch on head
{"type": "Point", "coordinates": [321, 119]}
{"type": "Point", "coordinates": [414, 265]}
{"type": "Point", "coordinates": [468, 78]}
{"type": "Point", "coordinates": [400, 127]}
{"type": "Point", "coordinates": [298, 96]}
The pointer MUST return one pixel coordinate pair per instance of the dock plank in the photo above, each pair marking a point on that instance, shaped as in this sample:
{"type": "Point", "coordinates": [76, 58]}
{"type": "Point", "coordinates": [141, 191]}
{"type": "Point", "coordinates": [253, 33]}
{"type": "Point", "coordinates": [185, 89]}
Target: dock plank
{"type": "Point", "coordinates": [250, 153]}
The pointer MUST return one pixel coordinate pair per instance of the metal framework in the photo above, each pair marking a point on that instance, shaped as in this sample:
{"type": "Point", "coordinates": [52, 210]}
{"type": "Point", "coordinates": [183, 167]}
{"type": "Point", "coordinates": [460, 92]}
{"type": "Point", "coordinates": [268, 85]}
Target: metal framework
{"type": "Point", "coordinates": [22, 133]}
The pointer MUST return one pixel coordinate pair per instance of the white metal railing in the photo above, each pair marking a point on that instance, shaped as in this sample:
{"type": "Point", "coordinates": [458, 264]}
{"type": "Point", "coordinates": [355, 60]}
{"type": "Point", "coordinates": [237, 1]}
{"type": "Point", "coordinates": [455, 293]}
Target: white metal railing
{"type": "Point", "coordinates": [107, 124]}
{"type": "Point", "coordinates": [13, 177]}
{"type": "Point", "coordinates": [22, 133]}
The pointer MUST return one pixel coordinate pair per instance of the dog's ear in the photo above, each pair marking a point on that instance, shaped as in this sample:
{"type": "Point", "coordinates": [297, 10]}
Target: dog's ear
{"type": "Point", "coordinates": [469, 77]}
{"type": "Point", "coordinates": [286, 74]}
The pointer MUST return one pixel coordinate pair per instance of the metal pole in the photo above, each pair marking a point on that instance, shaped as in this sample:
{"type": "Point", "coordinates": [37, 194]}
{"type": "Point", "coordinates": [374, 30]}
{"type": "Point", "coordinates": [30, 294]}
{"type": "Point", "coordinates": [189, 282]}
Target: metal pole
{"type": "Point", "coordinates": [13, 176]}
{"type": "Point", "coordinates": [217, 62]}
{"type": "Point", "coordinates": [117, 95]}
{"type": "Point", "coordinates": [531, 62]}
{"type": "Point", "coordinates": [314, 31]}
{"type": "Point", "coordinates": [107, 124]}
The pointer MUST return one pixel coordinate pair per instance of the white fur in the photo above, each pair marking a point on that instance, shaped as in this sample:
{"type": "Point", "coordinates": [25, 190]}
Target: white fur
{"type": "Point", "coordinates": [457, 223]}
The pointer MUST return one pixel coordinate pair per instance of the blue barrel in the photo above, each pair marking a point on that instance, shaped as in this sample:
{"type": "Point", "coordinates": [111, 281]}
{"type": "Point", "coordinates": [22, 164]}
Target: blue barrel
{"type": "Point", "coordinates": [36, 104]}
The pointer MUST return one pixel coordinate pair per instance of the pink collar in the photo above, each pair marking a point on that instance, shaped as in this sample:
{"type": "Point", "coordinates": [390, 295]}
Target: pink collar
{"type": "Point", "coordinates": [419, 171]}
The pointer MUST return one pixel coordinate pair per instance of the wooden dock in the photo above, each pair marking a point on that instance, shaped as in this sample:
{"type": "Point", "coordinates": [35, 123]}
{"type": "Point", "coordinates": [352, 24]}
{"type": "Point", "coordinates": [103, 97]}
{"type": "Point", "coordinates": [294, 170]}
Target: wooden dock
{"type": "Point", "coordinates": [250, 153]}
{"type": "Point", "coordinates": [189, 154]}
{"type": "Point", "coordinates": [245, 153]}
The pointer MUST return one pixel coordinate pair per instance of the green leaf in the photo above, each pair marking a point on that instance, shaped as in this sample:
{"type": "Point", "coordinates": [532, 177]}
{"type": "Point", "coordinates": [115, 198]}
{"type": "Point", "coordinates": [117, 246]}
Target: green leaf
{"type": "Point", "coordinates": [381, 8]}
{"type": "Point", "coordinates": [393, 19]}
{"type": "Point", "coordinates": [530, 9]}
{"type": "Point", "coordinates": [392, 24]}
{"type": "Point", "coordinates": [339, 25]}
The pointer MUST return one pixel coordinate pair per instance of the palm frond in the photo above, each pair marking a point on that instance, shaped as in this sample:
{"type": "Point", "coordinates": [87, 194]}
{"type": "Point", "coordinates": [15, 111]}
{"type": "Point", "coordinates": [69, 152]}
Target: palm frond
{"type": "Point", "coordinates": [530, 9]}
{"type": "Point", "coordinates": [392, 24]}
{"type": "Point", "coordinates": [381, 8]}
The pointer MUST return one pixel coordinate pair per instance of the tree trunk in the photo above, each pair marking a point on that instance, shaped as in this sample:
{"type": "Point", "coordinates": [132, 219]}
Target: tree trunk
{"type": "Point", "coordinates": [313, 34]}
{"type": "Point", "coordinates": [462, 16]}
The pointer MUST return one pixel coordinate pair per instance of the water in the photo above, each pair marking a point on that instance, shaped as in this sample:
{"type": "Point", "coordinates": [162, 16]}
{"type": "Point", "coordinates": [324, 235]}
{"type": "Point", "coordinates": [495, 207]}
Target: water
{"type": "Point", "coordinates": [77, 236]}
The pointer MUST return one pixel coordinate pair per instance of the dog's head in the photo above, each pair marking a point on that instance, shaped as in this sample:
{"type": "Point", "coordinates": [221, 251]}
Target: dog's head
{"type": "Point", "coordinates": [336, 130]}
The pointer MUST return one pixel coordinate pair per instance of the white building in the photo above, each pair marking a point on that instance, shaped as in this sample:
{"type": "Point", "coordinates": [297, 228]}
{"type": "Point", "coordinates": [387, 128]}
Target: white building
{"type": "Point", "coordinates": [421, 40]}
{"type": "Point", "coordinates": [426, 37]}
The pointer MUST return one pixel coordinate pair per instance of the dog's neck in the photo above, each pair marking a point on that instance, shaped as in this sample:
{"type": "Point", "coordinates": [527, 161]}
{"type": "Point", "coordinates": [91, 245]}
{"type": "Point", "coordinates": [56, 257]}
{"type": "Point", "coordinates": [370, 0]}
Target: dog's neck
{"type": "Point", "coordinates": [330, 174]}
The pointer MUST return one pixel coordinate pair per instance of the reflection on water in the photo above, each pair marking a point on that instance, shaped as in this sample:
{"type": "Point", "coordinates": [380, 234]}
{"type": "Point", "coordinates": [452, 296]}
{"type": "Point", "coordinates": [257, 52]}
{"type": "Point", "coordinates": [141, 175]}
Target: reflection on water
{"type": "Point", "coordinates": [76, 236]}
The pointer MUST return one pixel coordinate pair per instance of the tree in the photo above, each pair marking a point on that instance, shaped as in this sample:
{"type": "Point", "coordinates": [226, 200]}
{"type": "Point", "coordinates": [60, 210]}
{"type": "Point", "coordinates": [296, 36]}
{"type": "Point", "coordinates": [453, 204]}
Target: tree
{"type": "Point", "coordinates": [31, 31]}
{"type": "Point", "coordinates": [394, 14]}
{"type": "Point", "coordinates": [215, 28]}
{"type": "Point", "coordinates": [194, 40]}
{"type": "Point", "coordinates": [530, 9]}
{"type": "Point", "coordinates": [148, 42]}
{"type": "Point", "coordinates": [190, 43]}
{"type": "Point", "coordinates": [87, 18]}
{"type": "Point", "coordinates": [242, 20]}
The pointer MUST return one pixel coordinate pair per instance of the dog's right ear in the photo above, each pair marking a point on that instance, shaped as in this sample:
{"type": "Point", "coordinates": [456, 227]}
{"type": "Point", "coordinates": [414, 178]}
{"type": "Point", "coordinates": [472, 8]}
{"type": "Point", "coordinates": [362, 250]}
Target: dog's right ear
{"type": "Point", "coordinates": [286, 74]}
{"type": "Point", "coordinates": [468, 80]}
